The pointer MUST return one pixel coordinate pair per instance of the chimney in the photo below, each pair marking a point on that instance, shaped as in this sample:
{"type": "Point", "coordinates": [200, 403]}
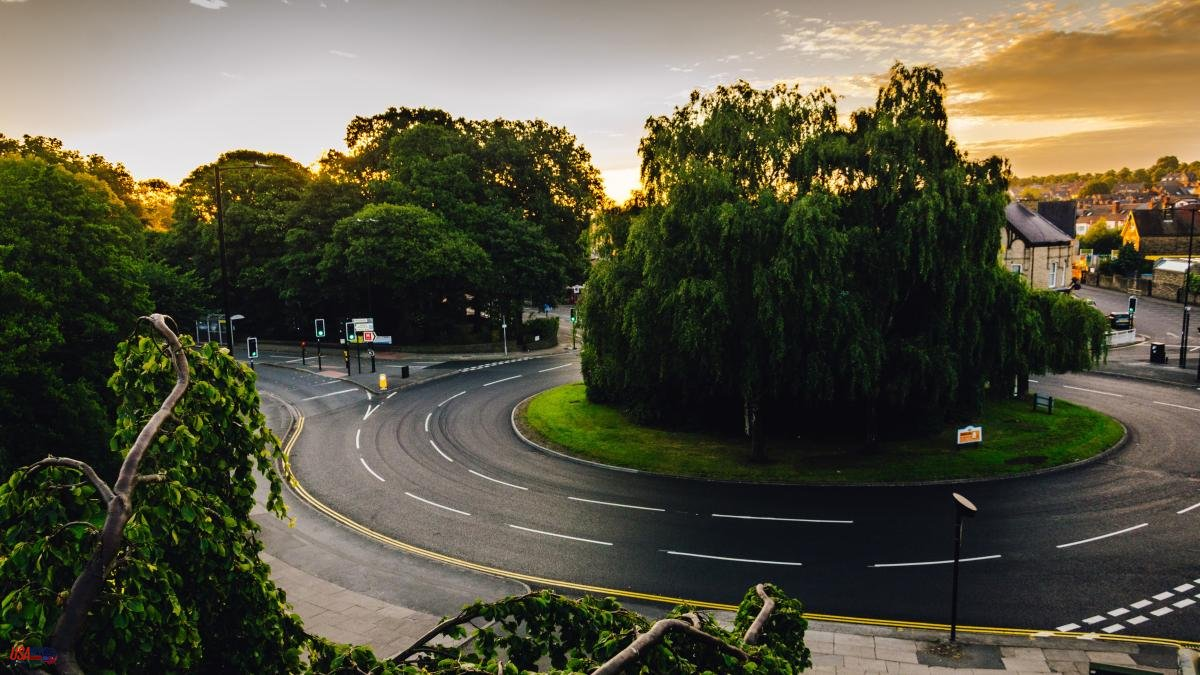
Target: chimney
{"type": "Point", "coordinates": [1116, 206]}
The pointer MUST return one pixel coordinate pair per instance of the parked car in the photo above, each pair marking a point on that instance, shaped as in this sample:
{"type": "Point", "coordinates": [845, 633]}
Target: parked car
{"type": "Point", "coordinates": [1120, 320]}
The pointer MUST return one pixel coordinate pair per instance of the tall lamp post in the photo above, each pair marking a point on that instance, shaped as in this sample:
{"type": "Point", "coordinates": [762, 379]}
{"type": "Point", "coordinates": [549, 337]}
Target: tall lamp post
{"type": "Point", "coordinates": [221, 240]}
{"type": "Point", "coordinates": [1187, 287]}
{"type": "Point", "coordinates": [963, 508]}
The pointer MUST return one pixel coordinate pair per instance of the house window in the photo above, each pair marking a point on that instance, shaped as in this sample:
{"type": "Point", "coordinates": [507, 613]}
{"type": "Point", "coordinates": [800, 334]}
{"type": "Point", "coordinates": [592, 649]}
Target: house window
{"type": "Point", "coordinates": [1053, 274]}
{"type": "Point", "coordinates": [1016, 268]}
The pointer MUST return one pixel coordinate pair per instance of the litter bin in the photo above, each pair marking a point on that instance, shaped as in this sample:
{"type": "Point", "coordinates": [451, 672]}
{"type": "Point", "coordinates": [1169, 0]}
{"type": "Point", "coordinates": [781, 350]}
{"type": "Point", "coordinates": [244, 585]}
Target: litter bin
{"type": "Point", "coordinates": [1158, 352]}
{"type": "Point", "coordinates": [404, 371]}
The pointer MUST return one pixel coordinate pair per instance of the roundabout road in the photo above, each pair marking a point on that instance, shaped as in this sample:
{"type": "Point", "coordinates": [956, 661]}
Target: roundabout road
{"type": "Point", "coordinates": [1110, 548]}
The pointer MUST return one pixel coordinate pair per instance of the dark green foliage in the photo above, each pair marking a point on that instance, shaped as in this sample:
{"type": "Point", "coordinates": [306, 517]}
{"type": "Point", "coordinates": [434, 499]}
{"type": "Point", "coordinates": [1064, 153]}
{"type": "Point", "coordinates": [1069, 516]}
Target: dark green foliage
{"type": "Point", "coordinates": [1100, 238]}
{"type": "Point", "coordinates": [188, 591]}
{"type": "Point", "coordinates": [544, 328]}
{"type": "Point", "coordinates": [786, 266]}
{"type": "Point", "coordinates": [70, 278]}
{"type": "Point", "coordinates": [1096, 187]}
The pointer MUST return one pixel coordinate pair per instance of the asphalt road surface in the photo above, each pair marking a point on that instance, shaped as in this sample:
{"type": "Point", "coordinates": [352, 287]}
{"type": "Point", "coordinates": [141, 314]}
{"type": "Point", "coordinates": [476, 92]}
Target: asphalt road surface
{"type": "Point", "coordinates": [1110, 547]}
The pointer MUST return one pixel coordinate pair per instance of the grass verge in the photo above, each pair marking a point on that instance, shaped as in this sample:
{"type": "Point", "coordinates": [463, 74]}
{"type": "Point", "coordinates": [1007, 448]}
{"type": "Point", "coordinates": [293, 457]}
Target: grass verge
{"type": "Point", "coordinates": [1016, 440]}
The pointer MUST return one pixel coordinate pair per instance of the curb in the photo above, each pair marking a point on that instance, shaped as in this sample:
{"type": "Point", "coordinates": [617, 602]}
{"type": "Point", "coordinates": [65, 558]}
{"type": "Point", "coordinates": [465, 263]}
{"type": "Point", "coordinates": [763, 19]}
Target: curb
{"type": "Point", "coordinates": [1078, 464]}
{"type": "Point", "coordinates": [1188, 661]}
{"type": "Point", "coordinates": [1141, 378]}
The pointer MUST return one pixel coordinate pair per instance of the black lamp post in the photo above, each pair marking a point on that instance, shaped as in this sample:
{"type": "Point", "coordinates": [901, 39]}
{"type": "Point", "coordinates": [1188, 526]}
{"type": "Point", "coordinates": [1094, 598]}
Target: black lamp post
{"type": "Point", "coordinates": [963, 508]}
{"type": "Point", "coordinates": [1187, 287]}
{"type": "Point", "coordinates": [221, 243]}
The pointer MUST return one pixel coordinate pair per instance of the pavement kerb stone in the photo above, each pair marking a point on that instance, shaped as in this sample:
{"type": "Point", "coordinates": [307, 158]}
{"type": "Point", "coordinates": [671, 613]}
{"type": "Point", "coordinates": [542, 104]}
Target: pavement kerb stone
{"type": "Point", "coordinates": [1100, 456]}
{"type": "Point", "coordinates": [1189, 662]}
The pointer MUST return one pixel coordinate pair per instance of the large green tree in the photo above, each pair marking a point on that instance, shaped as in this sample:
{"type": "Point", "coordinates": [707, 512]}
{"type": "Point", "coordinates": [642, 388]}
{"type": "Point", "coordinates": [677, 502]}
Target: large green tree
{"type": "Point", "coordinates": [411, 265]}
{"type": "Point", "coordinates": [786, 266]}
{"type": "Point", "coordinates": [259, 209]}
{"type": "Point", "coordinates": [72, 284]}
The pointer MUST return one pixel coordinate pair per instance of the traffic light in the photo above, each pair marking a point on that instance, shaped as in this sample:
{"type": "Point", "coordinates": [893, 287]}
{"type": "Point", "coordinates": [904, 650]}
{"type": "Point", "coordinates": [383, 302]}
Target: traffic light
{"type": "Point", "coordinates": [1132, 304]}
{"type": "Point", "coordinates": [252, 348]}
{"type": "Point", "coordinates": [319, 327]}
{"type": "Point", "coordinates": [572, 315]}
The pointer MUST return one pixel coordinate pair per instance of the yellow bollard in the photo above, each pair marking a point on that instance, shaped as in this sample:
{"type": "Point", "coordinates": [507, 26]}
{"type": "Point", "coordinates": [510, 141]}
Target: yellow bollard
{"type": "Point", "coordinates": [383, 381]}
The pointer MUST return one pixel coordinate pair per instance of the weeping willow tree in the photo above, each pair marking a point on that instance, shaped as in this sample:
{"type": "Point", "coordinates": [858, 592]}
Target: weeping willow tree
{"type": "Point", "coordinates": [785, 267]}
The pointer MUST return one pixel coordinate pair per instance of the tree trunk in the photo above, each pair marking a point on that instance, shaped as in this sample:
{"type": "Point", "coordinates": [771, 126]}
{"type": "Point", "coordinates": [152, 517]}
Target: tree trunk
{"type": "Point", "coordinates": [1023, 383]}
{"type": "Point", "coordinates": [754, 429]}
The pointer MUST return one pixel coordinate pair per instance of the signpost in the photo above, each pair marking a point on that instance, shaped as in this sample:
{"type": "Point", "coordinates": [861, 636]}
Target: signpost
{"type": "Point", "coordinates": [970, 436]}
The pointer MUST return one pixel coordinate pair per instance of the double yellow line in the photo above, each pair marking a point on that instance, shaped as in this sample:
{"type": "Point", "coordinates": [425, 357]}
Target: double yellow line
{"type": "Point", "coordinates": [294, 434]}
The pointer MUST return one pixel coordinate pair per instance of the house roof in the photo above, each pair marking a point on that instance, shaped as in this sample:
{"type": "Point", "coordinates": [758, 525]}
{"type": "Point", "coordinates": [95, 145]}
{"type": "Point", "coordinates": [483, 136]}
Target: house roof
{"type": "Point", "coordinates": [1158, 223]}
{"type": "Point", "coordinates": [1035, 230]}
{"type": "Point", "coordinates": [1060, 213]}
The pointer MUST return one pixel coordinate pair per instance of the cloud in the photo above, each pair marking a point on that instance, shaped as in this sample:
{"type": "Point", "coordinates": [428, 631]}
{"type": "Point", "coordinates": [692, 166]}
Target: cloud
{"type": "Point", "coordinates": [231, 76]}
{"type": "Point", "coordinates": [946, 43]}
{"type": "Point", "coordinates": [210, 4]}
{"type": "Point", "coordinates": [1130, 82]}
{"type": "Point", "coordinates": [683, 69]}
{"type": "Point", "coordinates": [344, 55]}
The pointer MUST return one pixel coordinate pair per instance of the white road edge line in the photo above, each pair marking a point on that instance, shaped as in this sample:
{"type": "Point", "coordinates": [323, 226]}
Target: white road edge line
{"type": "Point", "coordinates": [439, 451]}
{"type": "Point", "coordinates": [495, 480]}
{"type": "Point", "coordinates": [788, 520]}
{"type": "Point", "coordinates": [427, 422]}
{"type": "Point", "coordinates": [1176, 405]}
{"type": "Point", "coordinates": [364, 463]}
{"type": "Point", "coordinates": [332, 393]}
{"type": "Point", "coordinates": [356, 435]}
{"type": "Point", "coordinates": [1193, 506]}
{"type": "Point", "coordinates": [624, 506]}
{"type": "Point", "coordinates": [561, 536]}
{"type": "Point", "coordinates": [504, 380]}
{"type": "Point", "coordinates": [745, 560]}
{"type": "Point", "coordinates": [1103, 536]}
{"type": "Point", "coordinates": [936, 562]}
{"type": "Point", "coordinates": [370, 410]}
{"type": "Point", "coordinates": [546, 370]}
{"type": "Point", "coordinates": [1093, 391]}
{"type": "Point", "coordinates": [422, 499]}
{"type": "Point", "coordinates": [451, 398]}
{"type": "Point", "coordinates": [391, 394]}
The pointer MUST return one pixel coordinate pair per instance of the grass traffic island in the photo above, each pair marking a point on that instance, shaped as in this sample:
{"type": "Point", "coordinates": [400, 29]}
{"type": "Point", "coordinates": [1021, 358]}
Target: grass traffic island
{"type": "Point", "coordinates": [1016, 440]}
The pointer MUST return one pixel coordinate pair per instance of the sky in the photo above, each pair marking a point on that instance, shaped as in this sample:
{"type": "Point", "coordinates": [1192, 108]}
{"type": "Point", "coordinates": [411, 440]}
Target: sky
{"type": "Point", "coordinates": [164, 86]}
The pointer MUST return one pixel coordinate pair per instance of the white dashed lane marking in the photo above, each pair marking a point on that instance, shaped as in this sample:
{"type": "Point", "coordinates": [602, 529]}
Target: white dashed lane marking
{"type": "Point", "coordinates": [364, 463]}
{"type": "Point", "coordinates": [1193, 506]}
{"type": "Point", "coordinates": [788, 520]}
{"type": "Point", "coordinates": [439, 451]}
{"type": "Point", "coordinates": [624, 506]}
{"type": "Point", "coordinates": [560, 536]}
{"type": "Point", "coordinates": [440, 506]}
{"type": "Point", "coordinates": [506, 379]}
{"type": "Point", "coordinates": [1103, 536]}
{"type": "Point", "coordinates": [494, 480]}
{"type": "Point", "coordinates": [451, 398]}
{"type": "Point", "coordinates": [744, 560]}
{"type": "Point", "coordinates": [1093, 391]}
{"type": "Point", "coordinates": [565, 365]}
{"type": "Point", "coordinates": [427, 422]}
{"type": "Point", "coordinates": [332, 393]}
{"type": "Point", "coordinates": [935, 562]}
{"type": "Point", "coordinates": [1176, 405]}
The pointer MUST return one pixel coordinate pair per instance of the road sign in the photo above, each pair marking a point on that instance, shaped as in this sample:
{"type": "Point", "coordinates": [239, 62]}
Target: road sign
{"type": "Point", "coordinates": [362, 325]}
{"type": "Point", "coordinates": [319, 327]}
{"type": "Point", "coordinates": [367, 336]}
{"type": "Point", "coordinates": [969, 435]}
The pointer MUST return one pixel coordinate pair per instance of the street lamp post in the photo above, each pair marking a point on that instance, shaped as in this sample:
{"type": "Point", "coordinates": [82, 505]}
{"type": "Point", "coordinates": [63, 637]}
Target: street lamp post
{"type": "Point", "coordinates": [1187, 287]}
{"type": "Point", "coordinates": [221, 239]}
{"type": "Point", "coordinates": [963, 508]}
